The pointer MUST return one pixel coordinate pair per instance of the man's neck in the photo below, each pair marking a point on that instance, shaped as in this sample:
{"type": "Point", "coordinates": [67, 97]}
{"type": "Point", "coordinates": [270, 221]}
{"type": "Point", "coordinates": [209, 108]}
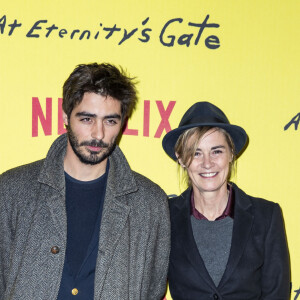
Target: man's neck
{"type": "Point", "coordinates": [81, 171]}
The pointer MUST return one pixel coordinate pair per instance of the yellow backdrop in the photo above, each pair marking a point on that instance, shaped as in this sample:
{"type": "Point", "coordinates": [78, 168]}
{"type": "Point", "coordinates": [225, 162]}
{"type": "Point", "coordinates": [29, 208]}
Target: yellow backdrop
{"type": "Point", "coordinates": [242, 56]}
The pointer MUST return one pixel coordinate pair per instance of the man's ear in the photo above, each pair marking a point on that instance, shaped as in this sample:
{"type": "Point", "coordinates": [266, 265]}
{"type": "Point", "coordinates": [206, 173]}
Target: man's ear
{"type": "Point", "coordinates": [65, 118]}
{"type": "Point", "coordinates": [179, 160]}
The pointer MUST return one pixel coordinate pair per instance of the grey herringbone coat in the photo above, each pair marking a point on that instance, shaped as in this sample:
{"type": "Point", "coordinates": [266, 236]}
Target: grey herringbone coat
{"type": "Point", "coordinates": [134, 237]}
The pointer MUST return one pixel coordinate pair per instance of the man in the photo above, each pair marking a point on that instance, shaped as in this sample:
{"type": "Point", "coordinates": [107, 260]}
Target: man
{"type": "Point", "coordinates": [80, 223]}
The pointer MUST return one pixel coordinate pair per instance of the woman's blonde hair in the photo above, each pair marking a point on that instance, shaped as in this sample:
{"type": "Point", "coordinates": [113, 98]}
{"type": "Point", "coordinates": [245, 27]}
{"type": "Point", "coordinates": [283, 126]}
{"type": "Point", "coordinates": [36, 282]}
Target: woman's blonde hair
{"type": "Point", "coordinates": [187, 144]}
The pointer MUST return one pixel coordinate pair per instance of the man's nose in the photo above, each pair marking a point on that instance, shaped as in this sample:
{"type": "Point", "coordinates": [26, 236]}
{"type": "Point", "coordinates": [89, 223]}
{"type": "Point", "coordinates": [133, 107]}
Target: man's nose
{"type": "Point", "coordinates": [98, 131]}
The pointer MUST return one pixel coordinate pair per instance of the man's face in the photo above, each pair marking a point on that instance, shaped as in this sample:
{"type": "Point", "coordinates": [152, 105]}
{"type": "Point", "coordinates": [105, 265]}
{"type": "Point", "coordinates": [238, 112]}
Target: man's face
{"type": "Point", "coordinates": [93, 127]}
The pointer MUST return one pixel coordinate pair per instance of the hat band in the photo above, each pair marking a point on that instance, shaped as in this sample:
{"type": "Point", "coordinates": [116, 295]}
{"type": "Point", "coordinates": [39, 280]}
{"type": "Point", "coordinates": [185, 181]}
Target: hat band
{"type": "Point", "coordinates": [205, 119]}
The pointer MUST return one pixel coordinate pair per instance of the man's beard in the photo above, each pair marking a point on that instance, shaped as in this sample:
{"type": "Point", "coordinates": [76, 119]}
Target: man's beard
{"type": "Point", "coordinates": [94, 157]}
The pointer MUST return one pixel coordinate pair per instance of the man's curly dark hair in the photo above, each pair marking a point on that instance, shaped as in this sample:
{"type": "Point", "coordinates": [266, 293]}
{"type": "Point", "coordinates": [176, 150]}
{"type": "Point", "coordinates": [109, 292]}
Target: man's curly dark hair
{"type": "Point", "coordinates": [103, 79]}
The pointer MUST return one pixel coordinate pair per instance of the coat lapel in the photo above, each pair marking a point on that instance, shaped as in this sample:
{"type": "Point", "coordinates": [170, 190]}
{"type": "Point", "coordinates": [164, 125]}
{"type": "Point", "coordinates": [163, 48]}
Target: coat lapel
{"type": "Point", "coordinates": [57, 207]}
{"type": "Point", "coordinates": [242, 225]}
{"type": "Point", "coordinates": [185, 232]}
{"type": "Point", "coordinates": [52, 181]}
{"type": "Point", "coordinates": [115, 215]}
{"type": "Point", "coordinates": [113, 221]}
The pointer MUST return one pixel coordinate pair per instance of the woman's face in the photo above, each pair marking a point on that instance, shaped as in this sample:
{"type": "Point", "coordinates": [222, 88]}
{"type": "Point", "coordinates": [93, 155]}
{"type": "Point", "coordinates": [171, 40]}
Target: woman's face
{"type": "Point", "coordinates": [209, 168]}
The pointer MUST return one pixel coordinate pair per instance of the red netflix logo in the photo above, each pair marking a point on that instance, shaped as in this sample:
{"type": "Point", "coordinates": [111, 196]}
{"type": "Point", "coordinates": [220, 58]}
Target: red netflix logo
{"type": "Point", "coordinates": [164, 122]}
{"type": "Point", "coordinates": [45, 118]}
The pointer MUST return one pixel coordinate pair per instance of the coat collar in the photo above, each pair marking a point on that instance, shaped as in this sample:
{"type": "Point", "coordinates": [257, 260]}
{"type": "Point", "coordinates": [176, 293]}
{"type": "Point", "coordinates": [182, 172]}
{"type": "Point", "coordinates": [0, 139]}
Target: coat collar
{"type": "Point", "coordinates": [120, 177]}
{"type": "Point", "coordinates": [243, 220]}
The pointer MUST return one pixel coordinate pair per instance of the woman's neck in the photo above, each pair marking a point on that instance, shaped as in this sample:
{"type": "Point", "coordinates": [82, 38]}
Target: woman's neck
{"type": "Point", "coordinates": [211, 204]}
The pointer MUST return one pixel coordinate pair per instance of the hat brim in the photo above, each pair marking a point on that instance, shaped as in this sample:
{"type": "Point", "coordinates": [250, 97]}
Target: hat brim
{"type": "Point", "coordinates": [237, 133]}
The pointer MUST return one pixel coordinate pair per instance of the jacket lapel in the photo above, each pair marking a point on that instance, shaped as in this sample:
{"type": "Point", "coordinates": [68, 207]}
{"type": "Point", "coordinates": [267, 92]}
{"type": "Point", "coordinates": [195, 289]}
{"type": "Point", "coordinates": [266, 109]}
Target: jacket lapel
{"type": "Point", "coordinates": [115, 215]}
{"type": "Point", "coordinates": [242, 225]}
{"type": "Point", "coordinates": [113, 221]}
{"type": "Point", "coordinates": [57, 207]}
{"type": "Point", "coordinates": [185, 232]}
{"type": "Point", "coordinates": [52, 188]}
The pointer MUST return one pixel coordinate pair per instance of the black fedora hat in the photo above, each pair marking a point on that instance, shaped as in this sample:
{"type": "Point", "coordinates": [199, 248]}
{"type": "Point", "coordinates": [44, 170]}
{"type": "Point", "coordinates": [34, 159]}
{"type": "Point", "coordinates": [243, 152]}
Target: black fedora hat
{"type": "Point", "coordinates": [204, 114]}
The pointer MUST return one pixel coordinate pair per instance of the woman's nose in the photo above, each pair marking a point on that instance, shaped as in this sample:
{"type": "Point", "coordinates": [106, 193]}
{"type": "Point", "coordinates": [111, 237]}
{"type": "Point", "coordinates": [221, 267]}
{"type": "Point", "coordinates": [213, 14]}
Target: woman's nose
{"type": "Point", "coordinates": [207, 161]}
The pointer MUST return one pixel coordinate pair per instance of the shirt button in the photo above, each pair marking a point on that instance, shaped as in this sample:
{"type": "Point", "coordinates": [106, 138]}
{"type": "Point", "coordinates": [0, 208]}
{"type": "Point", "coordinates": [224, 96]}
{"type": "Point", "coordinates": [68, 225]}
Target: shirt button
{"type": "Point", "coordinates": [54, 250]}
{"type": "Point", "coordinates": [74, 292]}
{"type": "Point", "coordinates": [216, 297]}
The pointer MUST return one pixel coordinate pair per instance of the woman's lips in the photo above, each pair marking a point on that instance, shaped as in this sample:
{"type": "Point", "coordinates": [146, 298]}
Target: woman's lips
{"type": "Point", "coordinates": [208, 175]}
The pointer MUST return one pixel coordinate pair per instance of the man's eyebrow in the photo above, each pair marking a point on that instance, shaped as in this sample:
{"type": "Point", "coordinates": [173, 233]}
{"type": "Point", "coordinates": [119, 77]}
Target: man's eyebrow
{"type": "Point", "coordinates": [90, 115]}
{"type": "Point", "coordinates": [85, 114]}
{"type": "Point", "coordinates": [113, 116]}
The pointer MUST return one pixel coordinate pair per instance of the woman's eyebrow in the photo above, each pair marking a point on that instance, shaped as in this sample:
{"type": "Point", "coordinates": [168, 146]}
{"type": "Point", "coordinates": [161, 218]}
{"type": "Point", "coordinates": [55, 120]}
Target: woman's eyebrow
{"type": "Point", "coordinates": [216, 147]}
{"type": "Point", "coordinates": [212, 148]}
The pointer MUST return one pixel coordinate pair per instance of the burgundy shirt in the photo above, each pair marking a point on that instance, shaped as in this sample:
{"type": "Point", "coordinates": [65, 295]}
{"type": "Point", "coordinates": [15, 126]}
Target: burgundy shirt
{"type": "Point", "coordinates": [229, 210]}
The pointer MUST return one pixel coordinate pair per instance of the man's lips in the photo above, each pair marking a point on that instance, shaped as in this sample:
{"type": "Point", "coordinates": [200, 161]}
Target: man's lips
{"type": "Point", "coordinates": [209, 175]}
{"type": "Point", "coordinates": [94, 149]}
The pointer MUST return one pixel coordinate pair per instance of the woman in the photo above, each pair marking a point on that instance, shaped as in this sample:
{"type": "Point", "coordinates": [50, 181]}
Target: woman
{"type": "Point", "coordinates": [225, 243]}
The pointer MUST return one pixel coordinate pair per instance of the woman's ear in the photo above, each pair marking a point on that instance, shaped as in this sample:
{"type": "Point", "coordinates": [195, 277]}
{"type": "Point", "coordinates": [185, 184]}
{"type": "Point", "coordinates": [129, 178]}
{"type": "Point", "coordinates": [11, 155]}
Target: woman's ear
{"type": "Point", "coordinates": [179, 160]}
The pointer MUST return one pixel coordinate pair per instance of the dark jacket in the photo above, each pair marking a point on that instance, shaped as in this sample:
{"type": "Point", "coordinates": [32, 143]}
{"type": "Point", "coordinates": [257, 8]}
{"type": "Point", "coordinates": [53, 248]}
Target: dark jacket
{"type": "Point", "coordinates": [133, 251]}
{"type": "Point", "coordinates": [258, 266]}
